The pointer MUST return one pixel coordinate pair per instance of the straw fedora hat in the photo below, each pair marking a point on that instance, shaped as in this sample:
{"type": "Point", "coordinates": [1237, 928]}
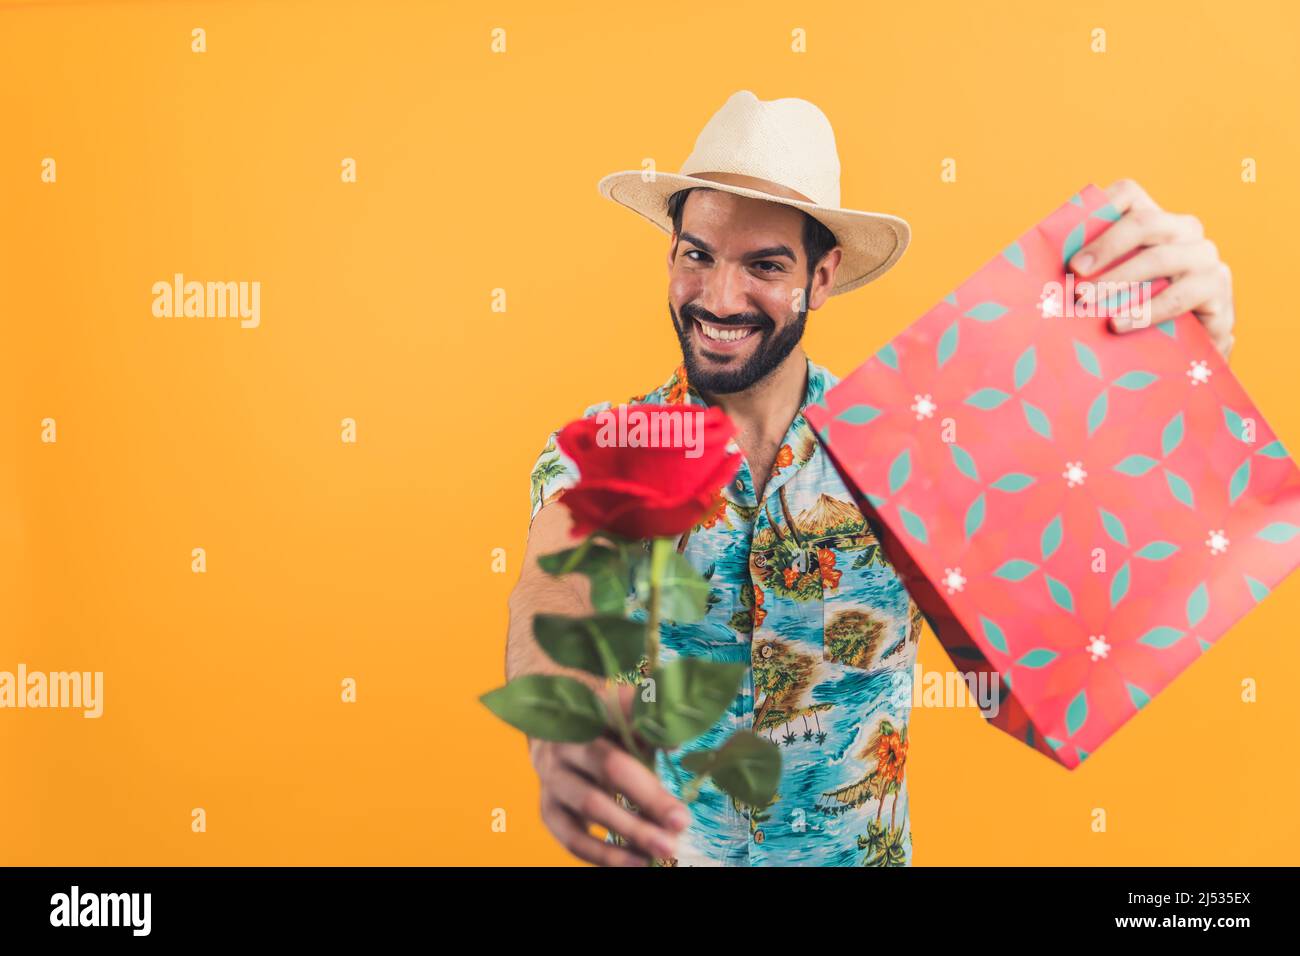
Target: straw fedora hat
{"type": "Point", "coordinates": [782, 151]}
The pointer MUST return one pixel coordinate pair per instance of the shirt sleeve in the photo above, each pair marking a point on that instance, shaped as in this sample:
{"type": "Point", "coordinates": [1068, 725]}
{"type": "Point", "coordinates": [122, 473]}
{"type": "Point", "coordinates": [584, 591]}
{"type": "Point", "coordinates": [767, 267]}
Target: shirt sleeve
{"type": "Point", "coordinates": [555, 471]}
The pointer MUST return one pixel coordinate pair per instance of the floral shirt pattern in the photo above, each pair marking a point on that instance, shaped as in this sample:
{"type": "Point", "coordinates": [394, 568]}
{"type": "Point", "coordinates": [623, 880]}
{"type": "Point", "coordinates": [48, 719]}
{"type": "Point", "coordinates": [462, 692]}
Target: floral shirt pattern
{"type": "Point", "coordinates": [803, 594]}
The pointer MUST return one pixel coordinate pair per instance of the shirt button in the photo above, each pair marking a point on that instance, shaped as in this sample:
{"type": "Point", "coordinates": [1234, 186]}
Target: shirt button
{"type": "Point", "coordinates": [740, 484]}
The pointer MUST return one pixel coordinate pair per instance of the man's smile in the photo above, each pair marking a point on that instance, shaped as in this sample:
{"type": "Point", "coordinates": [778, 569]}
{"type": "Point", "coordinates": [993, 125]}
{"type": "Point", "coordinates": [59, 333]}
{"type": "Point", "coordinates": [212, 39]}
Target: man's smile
{"type": "Point", "coordinates": [723, 338]}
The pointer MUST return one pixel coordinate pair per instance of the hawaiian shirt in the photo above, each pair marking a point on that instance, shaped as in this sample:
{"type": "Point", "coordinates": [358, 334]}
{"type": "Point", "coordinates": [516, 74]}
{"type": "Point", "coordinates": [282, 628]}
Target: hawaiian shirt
{"type": "Point", "coordinates": [802, 593]}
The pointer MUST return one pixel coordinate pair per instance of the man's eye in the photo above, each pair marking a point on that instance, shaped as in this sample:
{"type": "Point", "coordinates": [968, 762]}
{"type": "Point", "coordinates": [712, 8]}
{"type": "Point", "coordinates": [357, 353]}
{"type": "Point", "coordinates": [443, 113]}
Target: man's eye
{"type": "Point", "coordinates": [776, 266]}
{"type": "Point", "coordinates": [696, 252]}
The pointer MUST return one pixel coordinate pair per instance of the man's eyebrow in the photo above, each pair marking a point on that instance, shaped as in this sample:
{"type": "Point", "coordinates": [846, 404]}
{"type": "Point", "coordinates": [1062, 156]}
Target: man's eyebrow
{"type": "Point", "coordinates": [769, 252]}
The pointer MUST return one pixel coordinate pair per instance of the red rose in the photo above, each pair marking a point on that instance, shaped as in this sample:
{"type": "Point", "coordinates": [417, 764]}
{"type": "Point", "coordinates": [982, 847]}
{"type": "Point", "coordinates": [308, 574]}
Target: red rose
{"type": "Point", "coordinates": [647, 471]}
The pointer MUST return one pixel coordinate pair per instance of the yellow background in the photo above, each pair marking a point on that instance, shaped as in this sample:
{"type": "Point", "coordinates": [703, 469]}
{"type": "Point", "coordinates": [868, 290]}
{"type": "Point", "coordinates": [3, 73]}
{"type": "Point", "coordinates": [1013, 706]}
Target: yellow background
{"type": "Point", "coordinates": [477, 171]}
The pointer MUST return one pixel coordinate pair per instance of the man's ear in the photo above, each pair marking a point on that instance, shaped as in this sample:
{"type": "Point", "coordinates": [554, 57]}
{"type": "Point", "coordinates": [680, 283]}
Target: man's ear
{"type": "Point", "coordinates": [824, 278]}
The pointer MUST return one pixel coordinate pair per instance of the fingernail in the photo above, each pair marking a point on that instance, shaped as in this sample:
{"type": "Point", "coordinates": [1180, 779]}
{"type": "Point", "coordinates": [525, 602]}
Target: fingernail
{"type": "Point", "coordinates": [664, 846]}
{"type": "Point", "coordinates": [680, 819]}
{"type": "Point", "coordinates": [1122, 323]}
{"type": "Point", "coordinates": [1083, 263]}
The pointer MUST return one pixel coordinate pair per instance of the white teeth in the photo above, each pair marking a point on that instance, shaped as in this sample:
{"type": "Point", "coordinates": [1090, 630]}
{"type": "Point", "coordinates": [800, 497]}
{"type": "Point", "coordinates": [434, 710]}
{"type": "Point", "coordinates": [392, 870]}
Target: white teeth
{"type": "Point", "coordinates": [724, 335]}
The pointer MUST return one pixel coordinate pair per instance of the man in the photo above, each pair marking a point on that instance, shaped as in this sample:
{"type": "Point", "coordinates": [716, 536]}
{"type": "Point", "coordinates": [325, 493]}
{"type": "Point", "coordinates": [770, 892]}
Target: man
{"type": "Point", "coordinates": [802, 593]}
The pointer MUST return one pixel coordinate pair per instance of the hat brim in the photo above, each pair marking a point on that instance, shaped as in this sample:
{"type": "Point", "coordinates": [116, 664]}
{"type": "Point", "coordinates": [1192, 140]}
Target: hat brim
{"type": "Point", "coordinates": [871, 241]}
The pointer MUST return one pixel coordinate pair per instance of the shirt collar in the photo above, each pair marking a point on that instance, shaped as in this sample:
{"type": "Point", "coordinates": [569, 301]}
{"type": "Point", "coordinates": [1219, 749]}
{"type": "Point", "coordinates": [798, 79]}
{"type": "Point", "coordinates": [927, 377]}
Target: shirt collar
{"type": "Point", "coordinates": [799, 446]}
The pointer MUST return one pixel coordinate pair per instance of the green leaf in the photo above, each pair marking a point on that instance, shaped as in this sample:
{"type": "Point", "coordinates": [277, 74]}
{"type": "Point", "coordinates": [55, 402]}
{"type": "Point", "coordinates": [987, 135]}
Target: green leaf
{"type": "Point", "coordinates": [1037, 419]}
{"type": "Point", "coordinates": [986, 312]}
{"type": "Point", "coordinates": [1273, 449]}
{"type": "Point", "coordinates": [1198, 605]}
{"type": "Point", "coordinates": [1087, 359]}
{"type": "Point", "coordinates": [1180, 489]}
{"type": "Point", "coordinates": [1119, 584]}
{"type": "Point", "coordinates": [549, 707]}
{"type": "Point", "coordinates": [1025, 367]}
{"type": "Point", "coordinates": [858, 415]}
{"type": "Point", "coordinates": [947, 345]}
{"type": "Point", "coordinates": [1134, 381]}
{"type": "Point", "coordinates": [964, 462]}
{"type": "Point", "coordinates": [747, 767]}
{"type": "Point", "coordinates": [1258, 589]}
{"type": "Point", "coordinates": [1097, 411]}
{"type": "Point", "coordinates": [899, 471]}
{"type": "Point", "coordinates": [889, 357]}
{"type": "Point", "coordinates": [993, 634]}
{"type": "Point", "coordinates": [914, 525]}
{"type": "Point", "coordinates": [1060, 593]}
{"type": "Point", "coordinates": [1073, 243]}
{"type": "Point", "coordinates": [684, 593]}
{"type": "Point", "coordinates": [1137, 695]}
{"type": "Point", "coordinates": [1038, 657]}
{"type": "Point", "coordinates": [1236, 425]}
{"type": "Point", "coordinates": [606, 569]}
{"type": "Point", "coordinates": [1114, 527]}
{"type": "Point", "coordinates": [1013, 481]}
{"type": "Point", "coordinates": [1051, 537]}
{"type": "Point", "coordinates": [1161, 637]}
{"type": "Point", "coordinates": [1279, 532]}
{"type": "Point", "coordinates": [1107, 212]}
{"type": "Point", "coordinates": [604, 645]}
{"type": "Point", "coordinates": [1240, 479]}
{"type": "Point", "coordinates": [691, 694]}
{"type": "Point", "coordinates": [1136, 465]}
{"type": "Point", "coordinates": [1015, 255]}
{"type": "Point", "coordinates": [987, 398]}
{"type": "Point", "coordinates": [1172, 435]}
{"type": "Point", "coordinates": [1156, 551]}
{"type": "Point", "coordinates": [975, 515]}
{"type": "Point", "coordinates": [1017, 569]}
{"type": "Point", "coordinates": [1077, 713]}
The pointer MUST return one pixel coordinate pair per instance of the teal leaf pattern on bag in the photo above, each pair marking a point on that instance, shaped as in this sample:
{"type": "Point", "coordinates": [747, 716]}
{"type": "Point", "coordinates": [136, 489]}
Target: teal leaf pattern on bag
{"type": "Point", "coordinates": [1087, 358]}
{"type": "Point", "coordinates": [1172, 436]}
{"type": "Point", "coordinates": [1017, 569]}
{"type": "Point", "coordinates": [1077, 713]}
{"type": "Point", "coordinates": [1119, 585]}
{"type": "Point", "coordinates": [975, 515]}
{"type": "Point", "coordinates": [993, 634]}
{"type": "Point", "coordinates": [900, 471]}
{"type": "Point", "coordinates": [964, 462]}
{"type": "Point", "coordinates": [858, 415]}
{"type": "Point", "coordinates": [1134, 381]}
{"type": "Point", "coordinates": [986, 312]}
{"type": "Point", "coordinates": [1198, 605]}
{"type": "Point", "coordinates": [987, 399]}
{"type": "Point", "coordinates": [1060, 593]}
{"type": "Point", "coordinates": [1025, 367]}
{"type": "Point", "coordinates": [947, 345]}
{"type": "Point", "coordinates": [1156, 551]}
{"type": "Point", "coordinates": [1279, 532]}
{"type": "Point", "coordinates": [1136, 465]}
{"type": "Point", "coordinates": [914, 525]}
{"type": "Point", "coordinates": [1037, 419]}
{"type": "Point", "coordinates": [1051, 537]}
{"type": "Point", "coordinates": [1013, 481]}
{"type": "Point", "coordinates": [1038, 657]}
{"type": "Point", "coordinates": [1114, 527]}
{"type": "Point", "coordinates": [1240, 479]}
{"type": "Point", "coordinates": [1161, 637]}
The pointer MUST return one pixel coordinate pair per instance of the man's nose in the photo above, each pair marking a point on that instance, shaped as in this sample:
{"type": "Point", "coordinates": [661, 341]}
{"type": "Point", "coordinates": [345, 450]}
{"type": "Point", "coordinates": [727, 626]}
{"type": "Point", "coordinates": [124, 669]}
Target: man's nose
{"type": "Point", "coordinates": [724, 291]}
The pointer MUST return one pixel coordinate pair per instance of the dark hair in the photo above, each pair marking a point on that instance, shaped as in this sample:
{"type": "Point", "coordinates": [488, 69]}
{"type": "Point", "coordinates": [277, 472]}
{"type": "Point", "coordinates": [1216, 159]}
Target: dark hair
{"type": "Point", "coordinates": [817, 238]}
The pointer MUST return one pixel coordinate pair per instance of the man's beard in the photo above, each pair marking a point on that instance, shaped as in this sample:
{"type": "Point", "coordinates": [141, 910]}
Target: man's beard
{"type": "Point", "coordinates": [772, 350]}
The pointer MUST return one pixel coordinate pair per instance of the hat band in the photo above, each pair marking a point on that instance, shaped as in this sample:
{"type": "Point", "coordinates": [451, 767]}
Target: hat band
{"type": "Point", "coordinates": [753, 182]}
